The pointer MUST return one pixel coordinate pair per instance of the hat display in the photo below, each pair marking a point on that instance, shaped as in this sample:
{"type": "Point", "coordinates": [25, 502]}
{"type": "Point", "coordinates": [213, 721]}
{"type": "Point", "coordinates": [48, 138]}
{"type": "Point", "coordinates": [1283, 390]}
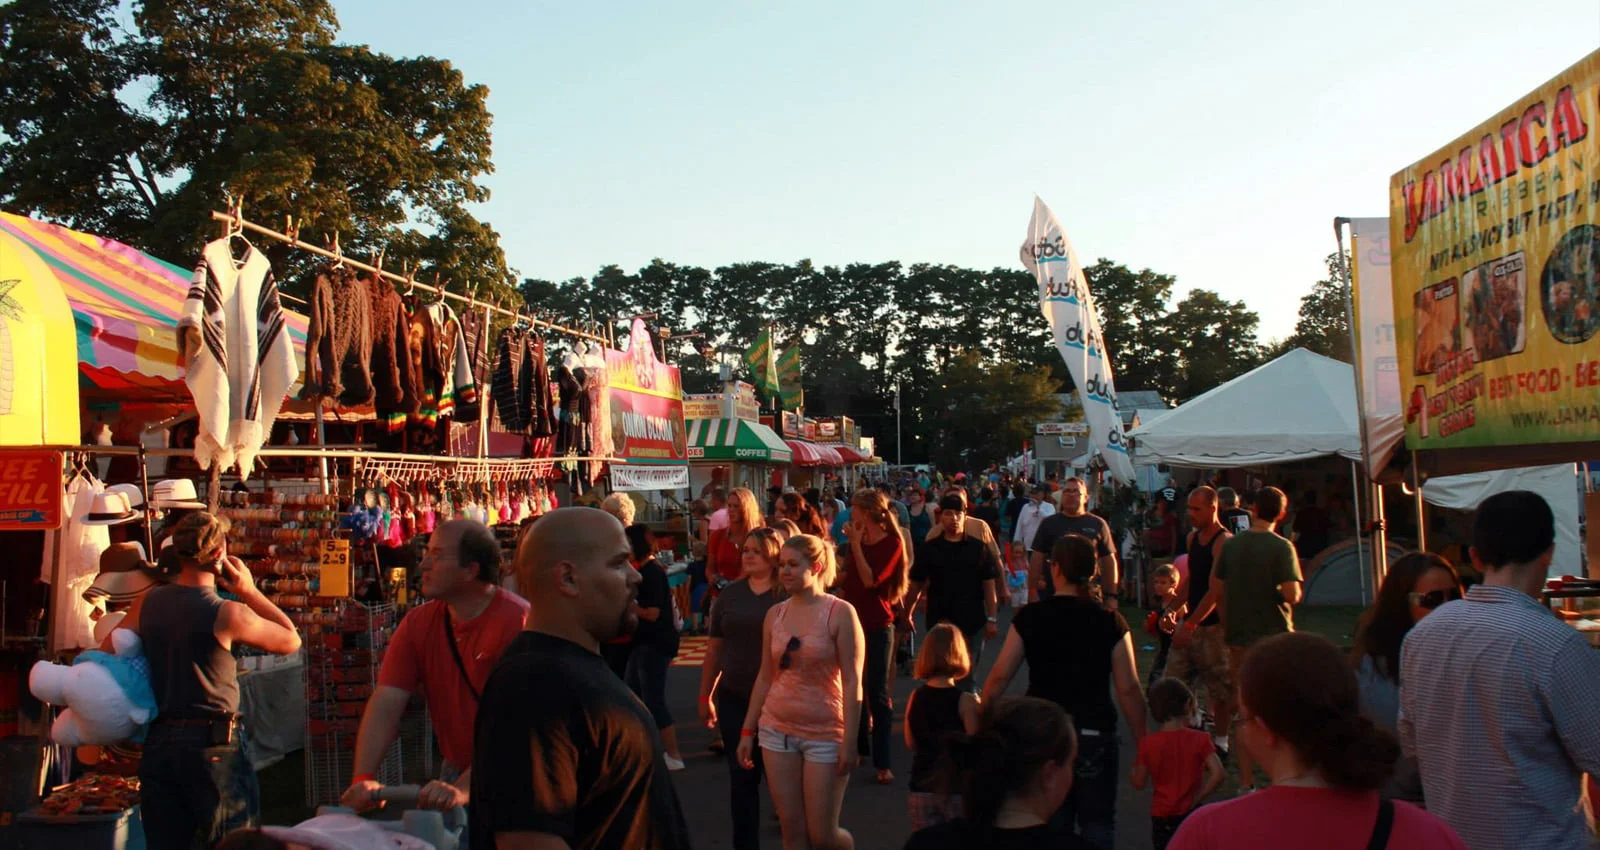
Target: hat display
{"type": "Point", "coordinates": [123, 575]}
{"type": "Point", "coordinates": [132, 491]}
{"type": "Point", "coordinates": [175, 493]}
{"type": "Point", "coordinates": [110, 508]}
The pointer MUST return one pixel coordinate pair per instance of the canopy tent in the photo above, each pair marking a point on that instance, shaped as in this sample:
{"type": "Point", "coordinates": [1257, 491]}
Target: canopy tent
{"type": "Point", "coordinates": [1299, 406]}
{"type": "Point", "coordinates": [1558, 485]}
{"type": "Point", "coordinates": [124, 306]}
{"type": "Point", "coordinates": [735, 439]}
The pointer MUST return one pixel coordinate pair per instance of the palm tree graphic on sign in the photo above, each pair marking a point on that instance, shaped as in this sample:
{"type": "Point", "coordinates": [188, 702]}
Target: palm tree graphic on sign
{"type": "Point", "coordinates": [10, 311]}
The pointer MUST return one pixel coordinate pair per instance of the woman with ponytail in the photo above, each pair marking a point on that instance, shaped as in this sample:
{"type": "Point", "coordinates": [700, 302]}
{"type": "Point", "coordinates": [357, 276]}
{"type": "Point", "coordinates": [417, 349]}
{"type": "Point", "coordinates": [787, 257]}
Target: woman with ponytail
{"type": "Point", "coordinates": [806, 704]}
{"type": "Point", "coordinates": [797, 508]}
{"type": "Point", "coordinates": [875, 578]}
{"type": "Point", "coordinates": [1013, 774]}
{"type": "Point", "coordinates": [1300, 716]}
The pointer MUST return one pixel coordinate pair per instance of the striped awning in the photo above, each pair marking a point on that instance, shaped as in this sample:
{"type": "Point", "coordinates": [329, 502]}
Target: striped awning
{"type": "Point", "coordinates": [849, 453]}
{"type": "Point", "coordinates": [814, 454]}
{"type": "Point", "coordinates": [125, 305]}
{"type": "Point", "coordinates": [735, 439]}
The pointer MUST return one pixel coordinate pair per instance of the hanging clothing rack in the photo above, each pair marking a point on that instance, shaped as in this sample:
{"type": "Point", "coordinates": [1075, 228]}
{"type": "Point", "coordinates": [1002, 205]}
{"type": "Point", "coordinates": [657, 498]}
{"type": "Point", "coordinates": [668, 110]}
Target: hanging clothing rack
{"type": "Point", "coordinates": [294, 241]}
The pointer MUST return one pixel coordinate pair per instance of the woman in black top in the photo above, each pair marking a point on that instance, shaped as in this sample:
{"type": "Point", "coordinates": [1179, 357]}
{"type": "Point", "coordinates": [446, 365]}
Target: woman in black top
{"type": "Point", "coordinates": [655, 641]}
{"type": "Point", "coordinates": [1013, 774]}
{"type": "Point", "coordinates": [1076, 651]}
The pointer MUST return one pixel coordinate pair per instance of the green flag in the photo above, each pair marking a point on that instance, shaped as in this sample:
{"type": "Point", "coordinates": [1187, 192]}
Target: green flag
{"type": "Point", "coordinates": [789, 379]}
{"type": "Point", "coordinates": [763, 366]}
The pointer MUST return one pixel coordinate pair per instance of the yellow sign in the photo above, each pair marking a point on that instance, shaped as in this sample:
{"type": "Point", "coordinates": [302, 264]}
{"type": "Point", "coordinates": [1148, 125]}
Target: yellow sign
{"type": "Point", "coordinates": [335, 559]}
{"type": "Point", "coordinates": [1496, 270]}
{"type": "Point", "coordinates": [38, 352]}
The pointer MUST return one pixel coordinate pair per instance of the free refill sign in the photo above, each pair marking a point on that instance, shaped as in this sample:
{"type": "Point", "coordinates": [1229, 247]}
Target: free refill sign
{"type": "Point", "coordinates": [30, 490]}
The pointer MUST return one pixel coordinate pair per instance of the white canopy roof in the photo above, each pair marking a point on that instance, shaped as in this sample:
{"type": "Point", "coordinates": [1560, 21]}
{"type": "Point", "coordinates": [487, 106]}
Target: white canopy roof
{"type": "Point", "coordinates": [1299, 406]}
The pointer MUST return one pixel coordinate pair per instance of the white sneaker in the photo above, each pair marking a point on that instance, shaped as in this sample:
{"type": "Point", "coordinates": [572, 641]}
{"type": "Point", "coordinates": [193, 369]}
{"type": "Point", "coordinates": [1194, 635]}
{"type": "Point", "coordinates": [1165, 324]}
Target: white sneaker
{"type": "Point", "coordinates": [674, 764]}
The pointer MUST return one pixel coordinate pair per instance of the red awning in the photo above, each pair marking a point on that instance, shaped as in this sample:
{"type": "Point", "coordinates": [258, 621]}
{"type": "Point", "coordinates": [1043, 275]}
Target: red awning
{"type": "Point", "coordinates": [830, 457]}
{"type": "Point", "coordinates": [805, 454]}
{"type": "Point", "coordinates": [850, 454]}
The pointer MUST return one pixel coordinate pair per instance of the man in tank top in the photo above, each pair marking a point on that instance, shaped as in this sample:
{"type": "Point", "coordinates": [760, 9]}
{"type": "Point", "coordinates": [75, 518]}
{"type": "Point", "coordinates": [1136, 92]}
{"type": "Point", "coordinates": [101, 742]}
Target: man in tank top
{"type": "Point", "coordinates": [1199, 653]}
{"type": "Point", "coordinates": [195, 776]}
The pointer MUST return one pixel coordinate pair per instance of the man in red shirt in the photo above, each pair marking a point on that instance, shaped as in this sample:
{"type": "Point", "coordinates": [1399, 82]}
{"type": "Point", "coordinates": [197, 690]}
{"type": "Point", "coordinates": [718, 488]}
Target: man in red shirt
{"type": "Point", "coordinates": [466, 608]}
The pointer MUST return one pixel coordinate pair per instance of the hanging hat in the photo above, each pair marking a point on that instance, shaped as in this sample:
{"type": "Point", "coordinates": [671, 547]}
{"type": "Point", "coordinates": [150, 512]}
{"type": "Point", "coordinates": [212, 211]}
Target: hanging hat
{"type": "Point", "coordinates": [132, 491]}
{"type": "Point", "coordinates": [175, 493]}
{"type": "Point", "coordinates": [123, 576]}
{"type": "Point", "coordinates": [110, 508]}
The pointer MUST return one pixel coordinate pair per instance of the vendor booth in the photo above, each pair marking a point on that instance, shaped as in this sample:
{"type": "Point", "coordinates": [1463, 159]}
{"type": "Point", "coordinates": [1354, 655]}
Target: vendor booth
{"type": "Point", "coordinates": [734, 453]}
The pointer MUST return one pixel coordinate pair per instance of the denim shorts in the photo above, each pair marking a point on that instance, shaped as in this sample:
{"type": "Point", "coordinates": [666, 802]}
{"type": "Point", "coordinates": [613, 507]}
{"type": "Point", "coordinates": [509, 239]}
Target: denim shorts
{"type": "Point", "coordinates": [813, 751]}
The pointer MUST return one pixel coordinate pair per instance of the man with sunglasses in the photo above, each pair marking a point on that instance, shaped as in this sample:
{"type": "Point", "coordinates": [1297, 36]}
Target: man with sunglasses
{"type": "Point", "coordinates": [1498, 697]}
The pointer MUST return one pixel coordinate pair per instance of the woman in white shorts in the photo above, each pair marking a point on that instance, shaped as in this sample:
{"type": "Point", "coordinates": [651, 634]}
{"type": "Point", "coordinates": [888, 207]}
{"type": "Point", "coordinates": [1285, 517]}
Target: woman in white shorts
{"type": "Point", "coordinates": [806, 706]}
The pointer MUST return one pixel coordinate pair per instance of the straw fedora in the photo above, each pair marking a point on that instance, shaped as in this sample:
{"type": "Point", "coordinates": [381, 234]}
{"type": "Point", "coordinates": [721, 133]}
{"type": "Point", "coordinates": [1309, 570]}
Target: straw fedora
{"type": "Point", "coordinates": [175, 493]}
{"type": "Point", "coordinates": [110, 508]}
{"type": "Point", "coordinates": [124, 574]}
{"type": "Point", "coordinates": [132, 491]}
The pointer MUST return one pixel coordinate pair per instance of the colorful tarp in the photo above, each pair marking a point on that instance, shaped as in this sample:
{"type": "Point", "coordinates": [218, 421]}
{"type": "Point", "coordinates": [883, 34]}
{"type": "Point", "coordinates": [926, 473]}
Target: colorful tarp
{"type": "Point", "coordinates": [124, 303]}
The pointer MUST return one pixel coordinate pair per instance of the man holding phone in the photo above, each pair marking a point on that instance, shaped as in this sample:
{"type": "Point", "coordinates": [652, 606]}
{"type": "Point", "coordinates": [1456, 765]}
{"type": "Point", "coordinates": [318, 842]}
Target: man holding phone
{"type": "Point", "coordinates": [195, 776]}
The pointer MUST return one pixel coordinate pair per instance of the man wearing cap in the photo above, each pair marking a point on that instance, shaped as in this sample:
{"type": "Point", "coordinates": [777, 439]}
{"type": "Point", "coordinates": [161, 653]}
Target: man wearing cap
{"type": "Point", "coordinates": [446, 648]}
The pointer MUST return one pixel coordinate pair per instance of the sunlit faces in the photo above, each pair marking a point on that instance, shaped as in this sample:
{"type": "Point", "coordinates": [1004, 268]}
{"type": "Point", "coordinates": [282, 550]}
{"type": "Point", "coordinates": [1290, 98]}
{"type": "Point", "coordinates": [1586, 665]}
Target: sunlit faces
{"type": "Point", "coordinates": [795, 571]}
{"type": "Point", "coordinates": [1072, 497]}
{"type": "Point", "coordinates": [1162, 586]}
{"type": "Point", "coordinates": [1201, 511]}
{"type": "Point", "coordinates": [608, 587]}
{"type": "Point", "coordinates": [952, 521]}
{"type": "Point", "coordinates": [442, 570]}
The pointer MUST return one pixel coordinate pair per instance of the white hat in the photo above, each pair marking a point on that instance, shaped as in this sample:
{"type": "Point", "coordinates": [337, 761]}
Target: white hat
{"type": "Point", "coordinates": [175, 493]}
{"type": "Point", "coordinates": [132, 491]}
{"type": "Point", "coordinates": [110, 508]}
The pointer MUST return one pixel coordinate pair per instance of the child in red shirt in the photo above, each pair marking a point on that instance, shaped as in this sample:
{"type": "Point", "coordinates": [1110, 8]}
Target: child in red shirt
{"type": "Point", "coordinates": [1182, 762]}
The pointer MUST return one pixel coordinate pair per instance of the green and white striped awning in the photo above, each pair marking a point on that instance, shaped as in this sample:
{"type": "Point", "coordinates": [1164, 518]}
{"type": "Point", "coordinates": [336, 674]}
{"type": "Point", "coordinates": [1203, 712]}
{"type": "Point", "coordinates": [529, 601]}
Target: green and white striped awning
{"type": "Point", "coordinates": [735, 439]}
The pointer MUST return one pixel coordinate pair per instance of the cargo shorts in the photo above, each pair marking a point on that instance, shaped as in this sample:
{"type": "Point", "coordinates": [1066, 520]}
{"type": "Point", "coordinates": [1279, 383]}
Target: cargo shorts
{"type": "Point", "coordinates": [1204, 663]}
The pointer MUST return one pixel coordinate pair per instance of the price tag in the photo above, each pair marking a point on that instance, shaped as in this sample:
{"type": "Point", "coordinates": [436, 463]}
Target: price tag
{"type": "Point", "coordinates": [335, 560]}
{"type": "Point", "coordinates": [397, 580]}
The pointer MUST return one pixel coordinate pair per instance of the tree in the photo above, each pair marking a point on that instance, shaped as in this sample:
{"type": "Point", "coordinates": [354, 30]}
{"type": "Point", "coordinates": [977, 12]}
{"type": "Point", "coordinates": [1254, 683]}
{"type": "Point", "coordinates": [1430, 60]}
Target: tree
{"type": "Point", "coordinates": [1134, 320]}
{"type": "Point", "coordinates": [1216, 341]}
{"type": "Point", "coordinates": [1324, 324]}
{"type": "Point", "coordinates": [979, 412]}
{"type": "Point", "coordinates": [138, 133]}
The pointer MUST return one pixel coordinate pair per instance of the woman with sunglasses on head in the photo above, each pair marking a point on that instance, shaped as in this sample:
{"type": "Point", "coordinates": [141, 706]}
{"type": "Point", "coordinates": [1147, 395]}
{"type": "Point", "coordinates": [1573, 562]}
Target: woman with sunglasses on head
{"type": "Point", "coordinates": [1300, 716]}
{"type": "Point", "coordinates": [805, 710]}
{"type": "Point", "coordinates": [733, 660]}
{"type": "Point", "coordinates": [1416, 585]}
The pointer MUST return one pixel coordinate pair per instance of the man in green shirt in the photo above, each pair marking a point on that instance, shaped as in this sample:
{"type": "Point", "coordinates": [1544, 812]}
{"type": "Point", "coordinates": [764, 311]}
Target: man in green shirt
{"type": "Point", "coordinates": [1255, 583]}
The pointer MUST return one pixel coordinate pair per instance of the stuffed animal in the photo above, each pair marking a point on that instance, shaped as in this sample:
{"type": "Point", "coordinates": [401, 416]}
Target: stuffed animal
{"type": "Point", "coordinates": [108, 697]}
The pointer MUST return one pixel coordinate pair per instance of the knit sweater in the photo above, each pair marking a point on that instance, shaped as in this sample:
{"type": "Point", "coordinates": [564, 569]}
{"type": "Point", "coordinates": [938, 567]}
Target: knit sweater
{"type": "Point", "coordinates": [394, 373]}
{"type": "Point", "coordinates": [339, 340]}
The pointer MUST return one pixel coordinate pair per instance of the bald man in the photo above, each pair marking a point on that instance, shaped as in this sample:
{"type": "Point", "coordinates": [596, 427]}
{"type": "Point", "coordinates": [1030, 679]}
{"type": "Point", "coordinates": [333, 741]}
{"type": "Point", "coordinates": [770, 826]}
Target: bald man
{"type": "Point", "coordinates": [566, 755]}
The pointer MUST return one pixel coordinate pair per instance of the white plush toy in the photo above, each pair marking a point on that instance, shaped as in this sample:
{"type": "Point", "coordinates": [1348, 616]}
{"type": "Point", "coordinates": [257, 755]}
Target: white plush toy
{"type": "Point", "coordinates": [108, 697]}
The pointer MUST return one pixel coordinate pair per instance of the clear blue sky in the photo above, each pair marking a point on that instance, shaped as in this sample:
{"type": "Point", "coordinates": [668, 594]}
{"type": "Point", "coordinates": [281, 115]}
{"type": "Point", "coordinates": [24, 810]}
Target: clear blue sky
{"type": "Point", "coordinates": [1213, 141]}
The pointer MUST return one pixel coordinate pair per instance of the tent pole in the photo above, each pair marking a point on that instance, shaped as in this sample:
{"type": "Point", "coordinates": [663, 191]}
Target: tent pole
{"type": "Point", "coordinates": [1422, 511]}
{"type": "Point", "coordinates": [1380, 537]}
{"type": "Point", "coordinates": [1380, 552]}
{"type": "Point", "coordinates": [1355, 503]}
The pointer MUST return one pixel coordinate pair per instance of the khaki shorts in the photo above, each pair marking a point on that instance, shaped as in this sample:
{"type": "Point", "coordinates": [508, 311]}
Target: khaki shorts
{"type": "Point", "coordinates": [1205, 663]}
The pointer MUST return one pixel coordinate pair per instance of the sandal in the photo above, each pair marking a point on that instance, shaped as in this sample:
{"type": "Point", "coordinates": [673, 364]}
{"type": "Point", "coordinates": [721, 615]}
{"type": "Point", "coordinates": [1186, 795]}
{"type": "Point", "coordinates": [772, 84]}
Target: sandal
{"type": "Point", "coordinates": [885, 776]}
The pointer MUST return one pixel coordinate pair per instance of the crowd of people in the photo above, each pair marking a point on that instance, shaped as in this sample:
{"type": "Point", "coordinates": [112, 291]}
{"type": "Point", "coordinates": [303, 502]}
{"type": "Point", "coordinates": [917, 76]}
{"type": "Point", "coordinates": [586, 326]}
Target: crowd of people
{"type": "Point", "coordinates": [1463, 719]}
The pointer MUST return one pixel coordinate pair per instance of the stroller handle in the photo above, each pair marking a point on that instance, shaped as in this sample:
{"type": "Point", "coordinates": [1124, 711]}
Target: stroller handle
{"type": "Point", "coordinates": [401, 795]}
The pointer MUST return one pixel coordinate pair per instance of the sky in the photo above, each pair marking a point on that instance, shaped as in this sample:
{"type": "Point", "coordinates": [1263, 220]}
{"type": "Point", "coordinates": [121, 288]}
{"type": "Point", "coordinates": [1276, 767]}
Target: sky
{"type": "Point", "coordinates": [1212, 141]}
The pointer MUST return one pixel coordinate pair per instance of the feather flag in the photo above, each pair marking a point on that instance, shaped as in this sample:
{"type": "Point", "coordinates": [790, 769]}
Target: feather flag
{"type": "Point", "coordinates": [790, 379]}
{"type": "Point", "coordinates": [763, 366]}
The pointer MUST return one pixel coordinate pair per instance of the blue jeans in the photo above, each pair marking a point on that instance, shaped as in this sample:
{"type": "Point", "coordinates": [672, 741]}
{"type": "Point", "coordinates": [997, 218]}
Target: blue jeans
{"type": "Point", "coordinates": [188, 786]}
{"type": "Point", "coordinates": [647, 676]}
{"type": "Point", "coordinates": [1090, 810]}
{"type": "Point", "coordinates": [876, 732]}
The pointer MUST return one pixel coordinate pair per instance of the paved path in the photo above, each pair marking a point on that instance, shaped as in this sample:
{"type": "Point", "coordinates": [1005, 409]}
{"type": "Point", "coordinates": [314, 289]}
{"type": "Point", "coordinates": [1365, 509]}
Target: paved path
{"type": "Point", "coordinates": [875, 814]}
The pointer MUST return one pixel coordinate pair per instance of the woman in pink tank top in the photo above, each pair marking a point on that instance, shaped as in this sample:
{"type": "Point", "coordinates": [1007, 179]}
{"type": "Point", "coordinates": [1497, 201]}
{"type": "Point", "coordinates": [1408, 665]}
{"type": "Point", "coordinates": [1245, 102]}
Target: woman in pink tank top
{"type": "Point", "coordinates": [805, 708]}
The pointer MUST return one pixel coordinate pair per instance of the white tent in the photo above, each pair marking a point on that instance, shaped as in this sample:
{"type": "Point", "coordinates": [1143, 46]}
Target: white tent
{"type": "Point", "coordinates": [1558, 485]}
{"type": "Point", "coordinates": [1299, 406]}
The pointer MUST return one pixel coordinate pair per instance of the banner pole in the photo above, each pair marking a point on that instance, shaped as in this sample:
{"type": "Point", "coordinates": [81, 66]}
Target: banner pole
{"type": "Point", "coordinates": [1380, 545]}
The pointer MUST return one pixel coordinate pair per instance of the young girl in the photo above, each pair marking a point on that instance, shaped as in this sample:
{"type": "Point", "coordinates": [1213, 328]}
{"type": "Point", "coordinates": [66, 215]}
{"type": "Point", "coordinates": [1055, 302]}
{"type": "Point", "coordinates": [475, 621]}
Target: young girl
{"type": "Point", "coordinates": [1175, 757]}
{"type": "Point", "coordinates": [1163, 619]}
{"type": "Point", "coordinates": [805, 709]}
{"type": "Point", "coordinates": [934, 710]}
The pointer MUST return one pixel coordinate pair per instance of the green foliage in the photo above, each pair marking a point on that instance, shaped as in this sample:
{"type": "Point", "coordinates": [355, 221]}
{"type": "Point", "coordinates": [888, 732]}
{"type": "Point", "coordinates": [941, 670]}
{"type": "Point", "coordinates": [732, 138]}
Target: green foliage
{"type": "Point", "coordinates": [138, 133]}
{"type": "Point", "coordinates": [1324, 324]}
{"type": "Point", "coordinates": [980, 411]}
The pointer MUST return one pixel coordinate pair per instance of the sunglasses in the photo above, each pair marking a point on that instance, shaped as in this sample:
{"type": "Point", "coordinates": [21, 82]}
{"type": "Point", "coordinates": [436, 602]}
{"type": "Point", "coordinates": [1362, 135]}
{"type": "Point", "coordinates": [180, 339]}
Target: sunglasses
{"type": "Point", "coordinates": [786, 658]}
{"type": "Point", "coordinates": [1433, 598]}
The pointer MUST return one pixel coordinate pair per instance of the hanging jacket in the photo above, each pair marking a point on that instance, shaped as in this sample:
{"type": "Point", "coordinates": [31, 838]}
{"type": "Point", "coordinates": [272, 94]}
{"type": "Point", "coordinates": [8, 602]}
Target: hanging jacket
{"type": "Point", "coordinates": [475, 341]}
{"type": "Point", "coordinates": [510, 382]}
{"type": "Point", "coordinates": [424, 353]}
{"type": "Point", "coordinates": [457, 386]}
{"type": "Point", "coordinates": [339, 340]}
{"type": "Point", "coordinates": [238, 357]}
{"type": "Point", "coordinates": [541, 416]}
{"type": "Point", "coordinates": [394, 374]}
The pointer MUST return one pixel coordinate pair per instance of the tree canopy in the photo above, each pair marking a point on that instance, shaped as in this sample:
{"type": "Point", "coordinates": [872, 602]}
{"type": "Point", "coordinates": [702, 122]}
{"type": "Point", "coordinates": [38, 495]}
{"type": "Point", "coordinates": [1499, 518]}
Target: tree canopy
{"type": "Point", "coordinates": [138, 132]}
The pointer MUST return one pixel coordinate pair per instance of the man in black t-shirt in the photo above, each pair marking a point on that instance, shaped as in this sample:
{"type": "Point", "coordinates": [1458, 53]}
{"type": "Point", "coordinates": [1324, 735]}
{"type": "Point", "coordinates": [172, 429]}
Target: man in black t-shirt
{"type": "Point", "coordinates": [1232, 517]}
{"type": "Point", "coordinates": [564, 754]}
{"type": "Point", "coordinates": [1072, 519]}
{"type": "Point", "coordinates": [960, 574]}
